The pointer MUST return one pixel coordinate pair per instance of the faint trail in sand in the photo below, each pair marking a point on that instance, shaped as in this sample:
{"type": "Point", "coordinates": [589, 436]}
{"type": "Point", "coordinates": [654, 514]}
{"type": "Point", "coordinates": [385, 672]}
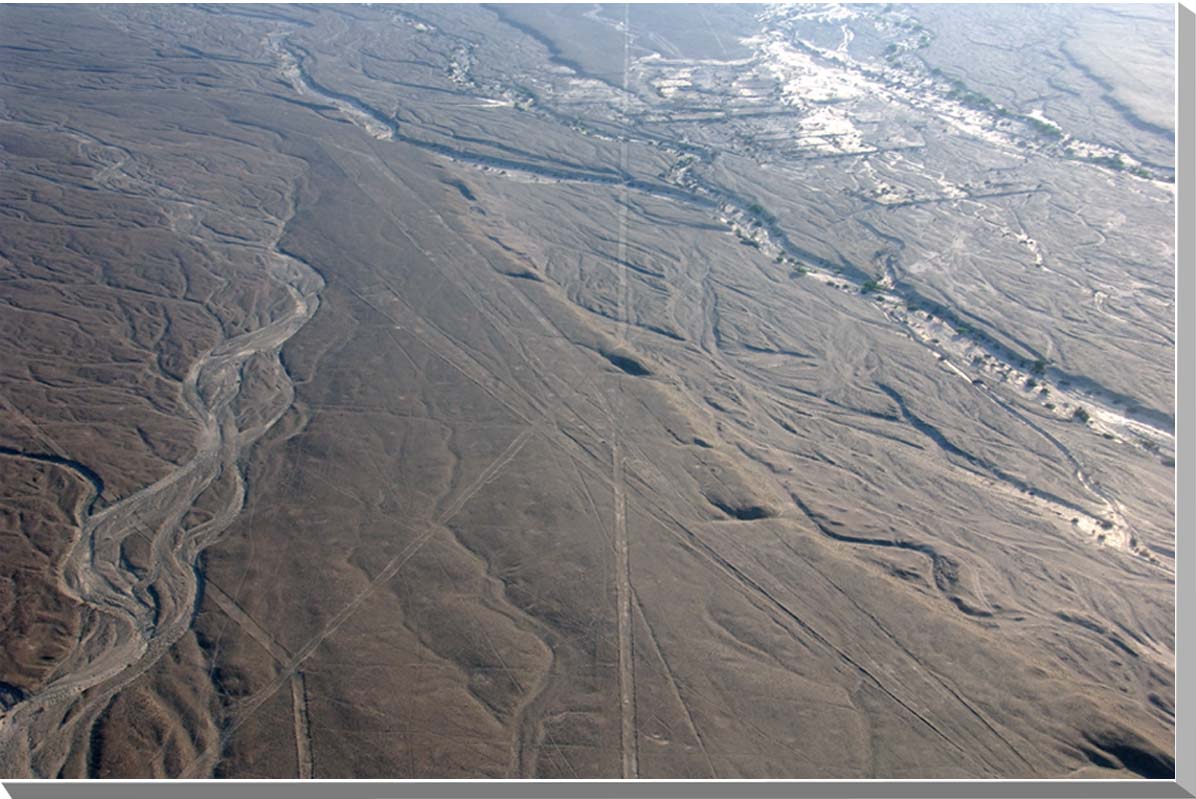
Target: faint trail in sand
{"type": "Point", "coordinates": [33, 427]}
{"type": "Point", "coordinates": [303, 752]}
{"type": "Point", "coordinates": [628, 736]}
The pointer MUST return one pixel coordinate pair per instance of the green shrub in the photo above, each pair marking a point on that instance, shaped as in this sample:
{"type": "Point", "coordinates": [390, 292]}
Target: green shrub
{"type": "Point", "coordinates": [1111, 161]}
{"type": "Point", "coordinates": [1044, 128]}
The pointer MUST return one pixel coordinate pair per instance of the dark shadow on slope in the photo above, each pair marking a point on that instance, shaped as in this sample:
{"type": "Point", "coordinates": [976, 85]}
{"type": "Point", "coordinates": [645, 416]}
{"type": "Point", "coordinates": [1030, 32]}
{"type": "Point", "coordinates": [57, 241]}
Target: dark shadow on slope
{"type": "Point", "coordinates": [1137, 756]}
{"type": "Point", "coordinates": [743, 513]}
{"type": "Point", "coordinates": [628, 364]}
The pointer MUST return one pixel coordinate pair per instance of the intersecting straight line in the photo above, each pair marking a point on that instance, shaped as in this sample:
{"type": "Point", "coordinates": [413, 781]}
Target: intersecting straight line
{"type": "Point", "coordinates": [630, 765]}
{"type": "Point", "coordinates": [388, 572]}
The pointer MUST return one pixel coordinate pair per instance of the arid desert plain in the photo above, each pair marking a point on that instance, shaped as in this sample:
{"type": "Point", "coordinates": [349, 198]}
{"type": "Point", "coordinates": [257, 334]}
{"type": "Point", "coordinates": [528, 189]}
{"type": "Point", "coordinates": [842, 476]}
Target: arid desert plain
{"type": "Point", "coordinates": [587, 391]}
